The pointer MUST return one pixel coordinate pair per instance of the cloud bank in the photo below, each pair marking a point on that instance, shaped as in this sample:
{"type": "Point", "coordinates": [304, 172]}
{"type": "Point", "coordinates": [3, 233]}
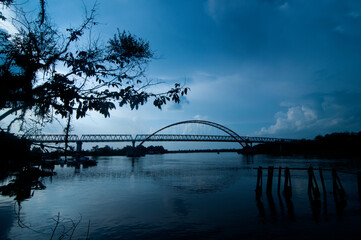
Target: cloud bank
{"type": "Point", "coordinates": [317, 114]}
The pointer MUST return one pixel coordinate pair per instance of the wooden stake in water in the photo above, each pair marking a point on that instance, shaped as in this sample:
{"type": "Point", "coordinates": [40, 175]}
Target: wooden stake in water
{"type": "Point", "coordinates": [322, 181]}
{"type": "Point", "coordinates": [313, 191]}
{"type": "Point", "coordinates": [279, 180]}
{"type": "Point", "coordinates": [338, 190]}
{"type": "Point", "coordinates": [259, 184]}
{"type": "Point", "coordinates": [269, 181]}
{"type": "Point", "coordinates": [287, 190]}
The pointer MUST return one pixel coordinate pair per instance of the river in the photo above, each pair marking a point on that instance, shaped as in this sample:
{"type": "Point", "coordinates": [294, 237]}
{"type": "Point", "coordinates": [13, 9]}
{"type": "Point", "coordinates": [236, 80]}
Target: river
{"type": "Point", "coordinates": [184, 196]}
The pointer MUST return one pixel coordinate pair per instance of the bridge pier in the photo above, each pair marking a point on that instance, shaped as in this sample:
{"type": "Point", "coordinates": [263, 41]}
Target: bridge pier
{"type": "Point", "coordinates": [79, 145]}
{"type": "Point", "coordinates": [248, 149]}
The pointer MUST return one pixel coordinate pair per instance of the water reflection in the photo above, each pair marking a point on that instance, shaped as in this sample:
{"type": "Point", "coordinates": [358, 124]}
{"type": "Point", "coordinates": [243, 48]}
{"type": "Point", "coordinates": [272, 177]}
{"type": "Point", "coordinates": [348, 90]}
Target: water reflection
{"type": "Point", "coordinates": [261, 210]}
{"type": "Point", "coordinates": [248, 159]}
{"type": "Point", "coordinates": [282, 207]}
{"type": "Point", "coordinates": [189, 177]}
{"type": "Point", "coordinates": [272, 207]}
{"type": "Point", "coordinates": [181, 208]}
{"type": "Point", "coordinates": [290, 208]}
{"type": "Point", "coordinates": [201, 179]}
{"type": "Point", "coordinates": [6, 220]}
{"type": "Point", "coordinates": [189, 196]}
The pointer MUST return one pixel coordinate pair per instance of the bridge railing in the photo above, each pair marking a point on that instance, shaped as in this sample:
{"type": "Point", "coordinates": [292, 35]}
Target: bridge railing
{"type": "Point", "coordinates": [106, 138]}
{"type": "Point", "coordinates": [56, 138]}
{"type": "Point", "coordinates": [208, 138]}
{"type": "Point", "coordinates": [51, 138]}
{"type": "Point", "coordinates": [183, 138]}
{"type": "Point", "coordinates": [269, 140]}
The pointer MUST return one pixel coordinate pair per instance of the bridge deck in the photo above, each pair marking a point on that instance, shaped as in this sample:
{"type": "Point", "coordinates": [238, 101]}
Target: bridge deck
{"type": "Point", "coordinates": [58, 138]}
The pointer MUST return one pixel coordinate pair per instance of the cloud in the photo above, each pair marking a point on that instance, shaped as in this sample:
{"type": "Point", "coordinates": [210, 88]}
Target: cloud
{"type": "Point", "coordinates": [200, 117]}
{"type": "Point", "coordinates": [317, 114]}
{"type": "Point", "coordinates": [296, 118]}
{"type": "Point", "coordinates": [217, 9]}
{"type": "Point", "coordinates": [354, 14]}
{"type": "Point", "coordinates": [284, 6]}
{"type": "Point", "coordinates": [178, 106]}
{"type": "Point", "coordinates": [211, 8]}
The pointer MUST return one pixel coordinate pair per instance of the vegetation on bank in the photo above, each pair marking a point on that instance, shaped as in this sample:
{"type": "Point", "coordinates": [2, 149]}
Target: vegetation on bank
{"type": "Point", "coordinates": [15, 152]}
{"type": "Point", "coordinates": [331, 145]}
{"type": "Point", "coordinates": [106, 151]}
{"type": "Point", "coordinates": [18, 160]}
{"type": "Point", "coordinates": [109, 151]}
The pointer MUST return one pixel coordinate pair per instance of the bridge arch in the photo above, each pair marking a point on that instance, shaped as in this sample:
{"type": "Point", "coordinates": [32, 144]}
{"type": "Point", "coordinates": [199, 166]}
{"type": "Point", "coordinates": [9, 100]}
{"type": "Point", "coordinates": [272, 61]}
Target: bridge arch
{"type": "Point", "coordinates": [235, 136]}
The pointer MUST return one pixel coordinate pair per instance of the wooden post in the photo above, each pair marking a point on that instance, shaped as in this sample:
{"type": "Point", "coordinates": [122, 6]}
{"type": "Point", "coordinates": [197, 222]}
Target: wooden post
{"type": "Point", "coordinates": [287, 190]}
{"type": "Point", "coordinates": [269, 180]}
{"type": "Point", "coordinates": [279, 180]}
{"type": "Point", "coordinates": [324, 192]}
{"type": "Point", "coordinates": [322, 181]}
{"type": "Point", "coordinates": [338, 190]}
{"type": "Point", "coordinates": [259, 184]}
{"type": "Point", "coordinates": [313, 191]}
{"type": "Point", "coordinates": [339, 194]}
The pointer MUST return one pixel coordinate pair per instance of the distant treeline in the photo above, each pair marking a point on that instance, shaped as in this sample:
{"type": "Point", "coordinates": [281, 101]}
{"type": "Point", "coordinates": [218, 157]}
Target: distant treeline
{"type": "Point", "coordinates": [109, 151]}
{"type": "Point", "coordinates": [331, 145]}
{"type": "Point", "coordinates": [206, 150]}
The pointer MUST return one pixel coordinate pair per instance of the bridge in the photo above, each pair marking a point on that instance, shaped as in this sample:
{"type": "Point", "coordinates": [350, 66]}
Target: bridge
{"type": "Point", "coordinates": [244, 141]}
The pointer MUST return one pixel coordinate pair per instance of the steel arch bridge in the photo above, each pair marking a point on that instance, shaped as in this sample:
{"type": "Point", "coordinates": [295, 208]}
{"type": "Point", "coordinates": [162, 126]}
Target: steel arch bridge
{"type": "Point", "coordinates": [242, 141]}
{"type": "Point", "coordinates": [232, 136]}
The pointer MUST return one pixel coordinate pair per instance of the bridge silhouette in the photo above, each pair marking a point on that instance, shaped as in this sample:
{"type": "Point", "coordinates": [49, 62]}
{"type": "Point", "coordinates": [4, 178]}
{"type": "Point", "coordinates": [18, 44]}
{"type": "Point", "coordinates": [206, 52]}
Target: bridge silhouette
{"type": "Point", "coordinates": [244, 141]}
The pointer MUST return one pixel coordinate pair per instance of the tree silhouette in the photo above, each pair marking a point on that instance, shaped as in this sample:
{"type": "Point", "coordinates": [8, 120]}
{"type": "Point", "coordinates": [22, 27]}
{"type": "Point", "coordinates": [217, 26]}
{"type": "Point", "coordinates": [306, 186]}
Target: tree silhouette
{"type": "Point", "coordinates": [45, 72]}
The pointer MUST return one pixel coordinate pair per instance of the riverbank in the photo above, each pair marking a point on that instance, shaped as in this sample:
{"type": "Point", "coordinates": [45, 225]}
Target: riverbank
{"type": "Point", "coordinates": [335, 145]}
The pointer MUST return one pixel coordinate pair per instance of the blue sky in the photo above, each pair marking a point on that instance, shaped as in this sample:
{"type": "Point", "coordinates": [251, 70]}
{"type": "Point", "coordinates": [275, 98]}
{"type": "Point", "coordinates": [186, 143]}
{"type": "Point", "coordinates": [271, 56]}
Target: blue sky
{"type": "Point", "coordinates": [260, 67]}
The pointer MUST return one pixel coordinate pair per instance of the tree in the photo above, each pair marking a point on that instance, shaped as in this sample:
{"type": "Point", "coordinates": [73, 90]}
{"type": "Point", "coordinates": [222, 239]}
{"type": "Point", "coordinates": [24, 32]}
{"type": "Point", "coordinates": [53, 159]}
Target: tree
{"type": "Point", "coordinates": [42, 71]}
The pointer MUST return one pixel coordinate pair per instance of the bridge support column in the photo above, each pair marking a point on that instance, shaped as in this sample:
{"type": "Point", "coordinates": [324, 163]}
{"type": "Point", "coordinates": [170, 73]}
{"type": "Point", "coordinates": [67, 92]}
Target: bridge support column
{"type": "Point", "coordinates": [79, 145]}
{"type": "Point", "coordinates": [133, 143]}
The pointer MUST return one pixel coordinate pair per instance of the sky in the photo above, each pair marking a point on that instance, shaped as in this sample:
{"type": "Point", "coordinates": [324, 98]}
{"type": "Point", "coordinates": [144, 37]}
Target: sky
{"type": "Point", "coordinates": [272, 68]}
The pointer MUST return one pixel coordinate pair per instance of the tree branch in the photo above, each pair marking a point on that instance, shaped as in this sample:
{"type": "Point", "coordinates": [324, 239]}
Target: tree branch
{"type": "Point", "coordinates": [11, 111]}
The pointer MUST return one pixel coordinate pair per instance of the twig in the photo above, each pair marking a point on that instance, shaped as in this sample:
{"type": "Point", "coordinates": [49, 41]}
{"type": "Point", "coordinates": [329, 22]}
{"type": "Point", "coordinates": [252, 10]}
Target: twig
{"type": "Point", "coordinates": [20, 222]}
{"type": "Point", "coordinates": [74, 227]}
{"type": "Point", "coordinates": [56, 225]}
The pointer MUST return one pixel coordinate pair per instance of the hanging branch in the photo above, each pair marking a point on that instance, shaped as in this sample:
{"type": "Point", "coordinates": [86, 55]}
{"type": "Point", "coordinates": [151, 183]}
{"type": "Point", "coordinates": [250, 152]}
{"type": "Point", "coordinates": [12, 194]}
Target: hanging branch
{"type": "Point", "coordinates": [44, 72]}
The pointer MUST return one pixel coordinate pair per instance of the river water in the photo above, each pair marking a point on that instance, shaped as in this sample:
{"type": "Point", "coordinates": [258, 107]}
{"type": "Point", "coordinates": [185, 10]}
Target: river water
{"type": "Point", "coordinates": [184, 196]}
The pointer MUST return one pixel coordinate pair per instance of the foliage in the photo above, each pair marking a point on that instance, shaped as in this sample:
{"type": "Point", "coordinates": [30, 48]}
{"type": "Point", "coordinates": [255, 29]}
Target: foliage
{"type": "Point", "coordinates": [109, 151]}
{"type": "Point", "coordinates": [331, 145]}
{"type": "Point", "coordinates": [46, 72]}
{"type": "Point", "coordinates": [15, 152]}
{"type": "Point", "coordinates": [26, 180]}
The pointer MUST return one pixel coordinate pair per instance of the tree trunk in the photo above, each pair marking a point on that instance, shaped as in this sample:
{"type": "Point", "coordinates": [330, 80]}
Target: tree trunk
{"type": "Point", "coordinates": [67, 130]}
